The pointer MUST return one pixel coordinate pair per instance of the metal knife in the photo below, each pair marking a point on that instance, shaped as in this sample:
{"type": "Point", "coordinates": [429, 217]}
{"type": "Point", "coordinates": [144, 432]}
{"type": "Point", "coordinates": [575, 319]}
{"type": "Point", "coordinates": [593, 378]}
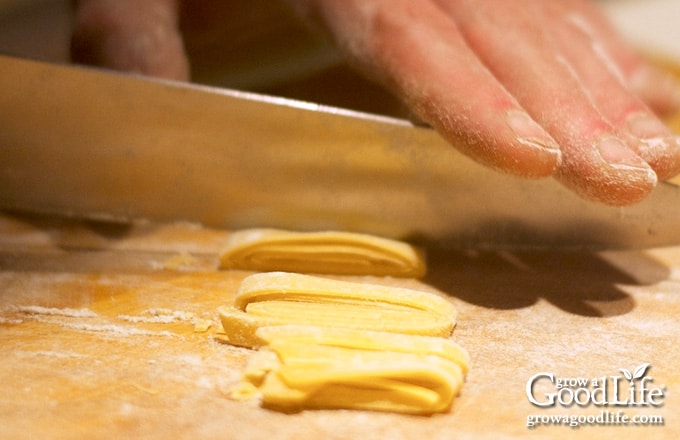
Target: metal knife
{"type": "Point", "coordinates": [90, 143]}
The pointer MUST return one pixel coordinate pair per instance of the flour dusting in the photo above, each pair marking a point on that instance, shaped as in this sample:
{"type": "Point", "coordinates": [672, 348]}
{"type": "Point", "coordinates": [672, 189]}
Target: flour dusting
{"type": "Point", "coordinates": [51, 311]}
{"type": "Point", "coordinates": [159, 316]}
{"type": "Point", "coordinates": [114, 330]}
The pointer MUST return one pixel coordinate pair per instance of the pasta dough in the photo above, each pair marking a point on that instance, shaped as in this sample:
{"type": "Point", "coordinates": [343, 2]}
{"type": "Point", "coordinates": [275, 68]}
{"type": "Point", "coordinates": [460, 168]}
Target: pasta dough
{"type": "Point", "coordinates": [326, 343]}
{"type": "Point", "coordinates": [323, 367]}
{"type": "Point", "coordinates": [280, 298]}
{"type": "Point", "coordinates": [328, 252]}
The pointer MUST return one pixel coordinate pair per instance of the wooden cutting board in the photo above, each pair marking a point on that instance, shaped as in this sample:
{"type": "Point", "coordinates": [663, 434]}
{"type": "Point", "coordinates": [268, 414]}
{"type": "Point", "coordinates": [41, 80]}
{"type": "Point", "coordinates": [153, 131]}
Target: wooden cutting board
{"type": "Point", "coordinates": [98, 338]}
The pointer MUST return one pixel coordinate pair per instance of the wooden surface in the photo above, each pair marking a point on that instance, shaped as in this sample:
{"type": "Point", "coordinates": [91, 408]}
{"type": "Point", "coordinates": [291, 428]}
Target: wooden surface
{"type": "Point", "coordinates": [97, 332]}
{"type": "Point", "coordinates": [97, 337]}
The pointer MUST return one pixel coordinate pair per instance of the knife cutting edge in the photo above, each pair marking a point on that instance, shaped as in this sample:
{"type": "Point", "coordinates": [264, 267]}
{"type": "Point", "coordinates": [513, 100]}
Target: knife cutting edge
{"type": "Point", "coordinates": [96, 144]}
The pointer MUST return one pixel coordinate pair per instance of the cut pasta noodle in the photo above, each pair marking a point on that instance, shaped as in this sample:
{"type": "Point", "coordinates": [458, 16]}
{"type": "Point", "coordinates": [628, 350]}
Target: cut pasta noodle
{"type": "Point", "coordinates": [280, 298]}
{"type": "Point", "coordinates": [327, 343]}
{"type": "Point", "coordinates": [326, 252]}
{"type": "Point", "coordinates": [343, 368]}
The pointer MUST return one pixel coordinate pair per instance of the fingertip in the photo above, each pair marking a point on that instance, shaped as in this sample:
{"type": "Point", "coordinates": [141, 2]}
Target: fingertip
{"type": "Point", "coordinates": [519, 156]}
{"type": "Point", "coordinates": [656, 144]}
{"type": "Point", "coordinates": [540, 166]}
{"type": "Point", "coordinates": [532, 153]}
{"type": "Point", "coordinates": [613, 174]}
{"type": "Point", "coordinates": [528, 160]}
{"type": "Point", "coordinates": [619, 188]}
{"type": "Point", "coordinates": [663, 155]}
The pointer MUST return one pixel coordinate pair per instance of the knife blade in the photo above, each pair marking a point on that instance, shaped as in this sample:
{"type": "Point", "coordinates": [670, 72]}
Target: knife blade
{"type": "Point", "coordinates": [96, 144]}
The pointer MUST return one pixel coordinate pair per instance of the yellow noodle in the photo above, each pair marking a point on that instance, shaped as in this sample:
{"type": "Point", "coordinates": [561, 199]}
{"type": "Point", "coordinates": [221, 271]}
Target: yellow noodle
{"type": "Point", "coordinates": [329, 252]}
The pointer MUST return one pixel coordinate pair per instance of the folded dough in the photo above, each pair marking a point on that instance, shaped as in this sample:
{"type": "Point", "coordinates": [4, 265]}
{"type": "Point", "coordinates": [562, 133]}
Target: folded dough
{"type": "Point", "coordinates": [304, 367]}
{"type": "Point", "coordinates": [327, 252]}
{"type": "Point", "coordinates": [280, 298]}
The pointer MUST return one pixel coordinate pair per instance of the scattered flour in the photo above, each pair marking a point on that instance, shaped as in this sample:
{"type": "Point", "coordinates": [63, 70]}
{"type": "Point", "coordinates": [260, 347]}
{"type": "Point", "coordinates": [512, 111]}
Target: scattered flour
{"type": "Point", "coordinates": [52, 315]}
{"type": "Point", "coordinates": [50, 354]}
{"type": "Point", "coordinates": [51, 311]}
{"type": "Point", "coordinates": [160, 316]}
{"type": "Point", "coordinates": [114, 330]}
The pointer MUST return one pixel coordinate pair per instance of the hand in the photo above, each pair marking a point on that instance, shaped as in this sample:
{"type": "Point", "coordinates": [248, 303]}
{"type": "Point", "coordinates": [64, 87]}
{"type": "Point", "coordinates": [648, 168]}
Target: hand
{"type": "Point", "coordinates": [130, 35]}
{"type": "Point", "coordinates": [534, 88]}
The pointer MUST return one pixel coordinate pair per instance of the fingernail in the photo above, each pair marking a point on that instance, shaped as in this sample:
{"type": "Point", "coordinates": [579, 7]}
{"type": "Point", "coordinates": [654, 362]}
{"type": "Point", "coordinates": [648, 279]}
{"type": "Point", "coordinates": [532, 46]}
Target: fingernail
{"type": "Point", "coordinates": [530, 133]}
{"type": "Point", "coordinates": [618, 155]}
{"type": "Point", "coordinates": [655, 137]}
{"type": "Point", "coordinates": [647, 126]}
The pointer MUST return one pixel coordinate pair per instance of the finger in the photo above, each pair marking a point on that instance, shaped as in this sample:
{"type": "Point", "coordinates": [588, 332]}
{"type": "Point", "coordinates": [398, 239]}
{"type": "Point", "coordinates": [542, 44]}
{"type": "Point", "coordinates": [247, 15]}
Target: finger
{"type": "Point", "coordinates": [130, 35]}
{"type": "Point", "coordinates": [596, 161]}
{"type": "Point", "coordinates": [418, 51]}
{"type": "Point", "coordinates": [645, 133]}
{"type": "Point", "coordinates": [657, 87]}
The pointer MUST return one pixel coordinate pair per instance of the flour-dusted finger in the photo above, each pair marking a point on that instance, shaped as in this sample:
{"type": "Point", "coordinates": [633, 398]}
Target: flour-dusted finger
{"type": "Point", "coordinates": [519, 47]}
{"type": "Point", "coordinates": [139, 36]}
{"type": "Point", "coordinates": [417, 51]}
